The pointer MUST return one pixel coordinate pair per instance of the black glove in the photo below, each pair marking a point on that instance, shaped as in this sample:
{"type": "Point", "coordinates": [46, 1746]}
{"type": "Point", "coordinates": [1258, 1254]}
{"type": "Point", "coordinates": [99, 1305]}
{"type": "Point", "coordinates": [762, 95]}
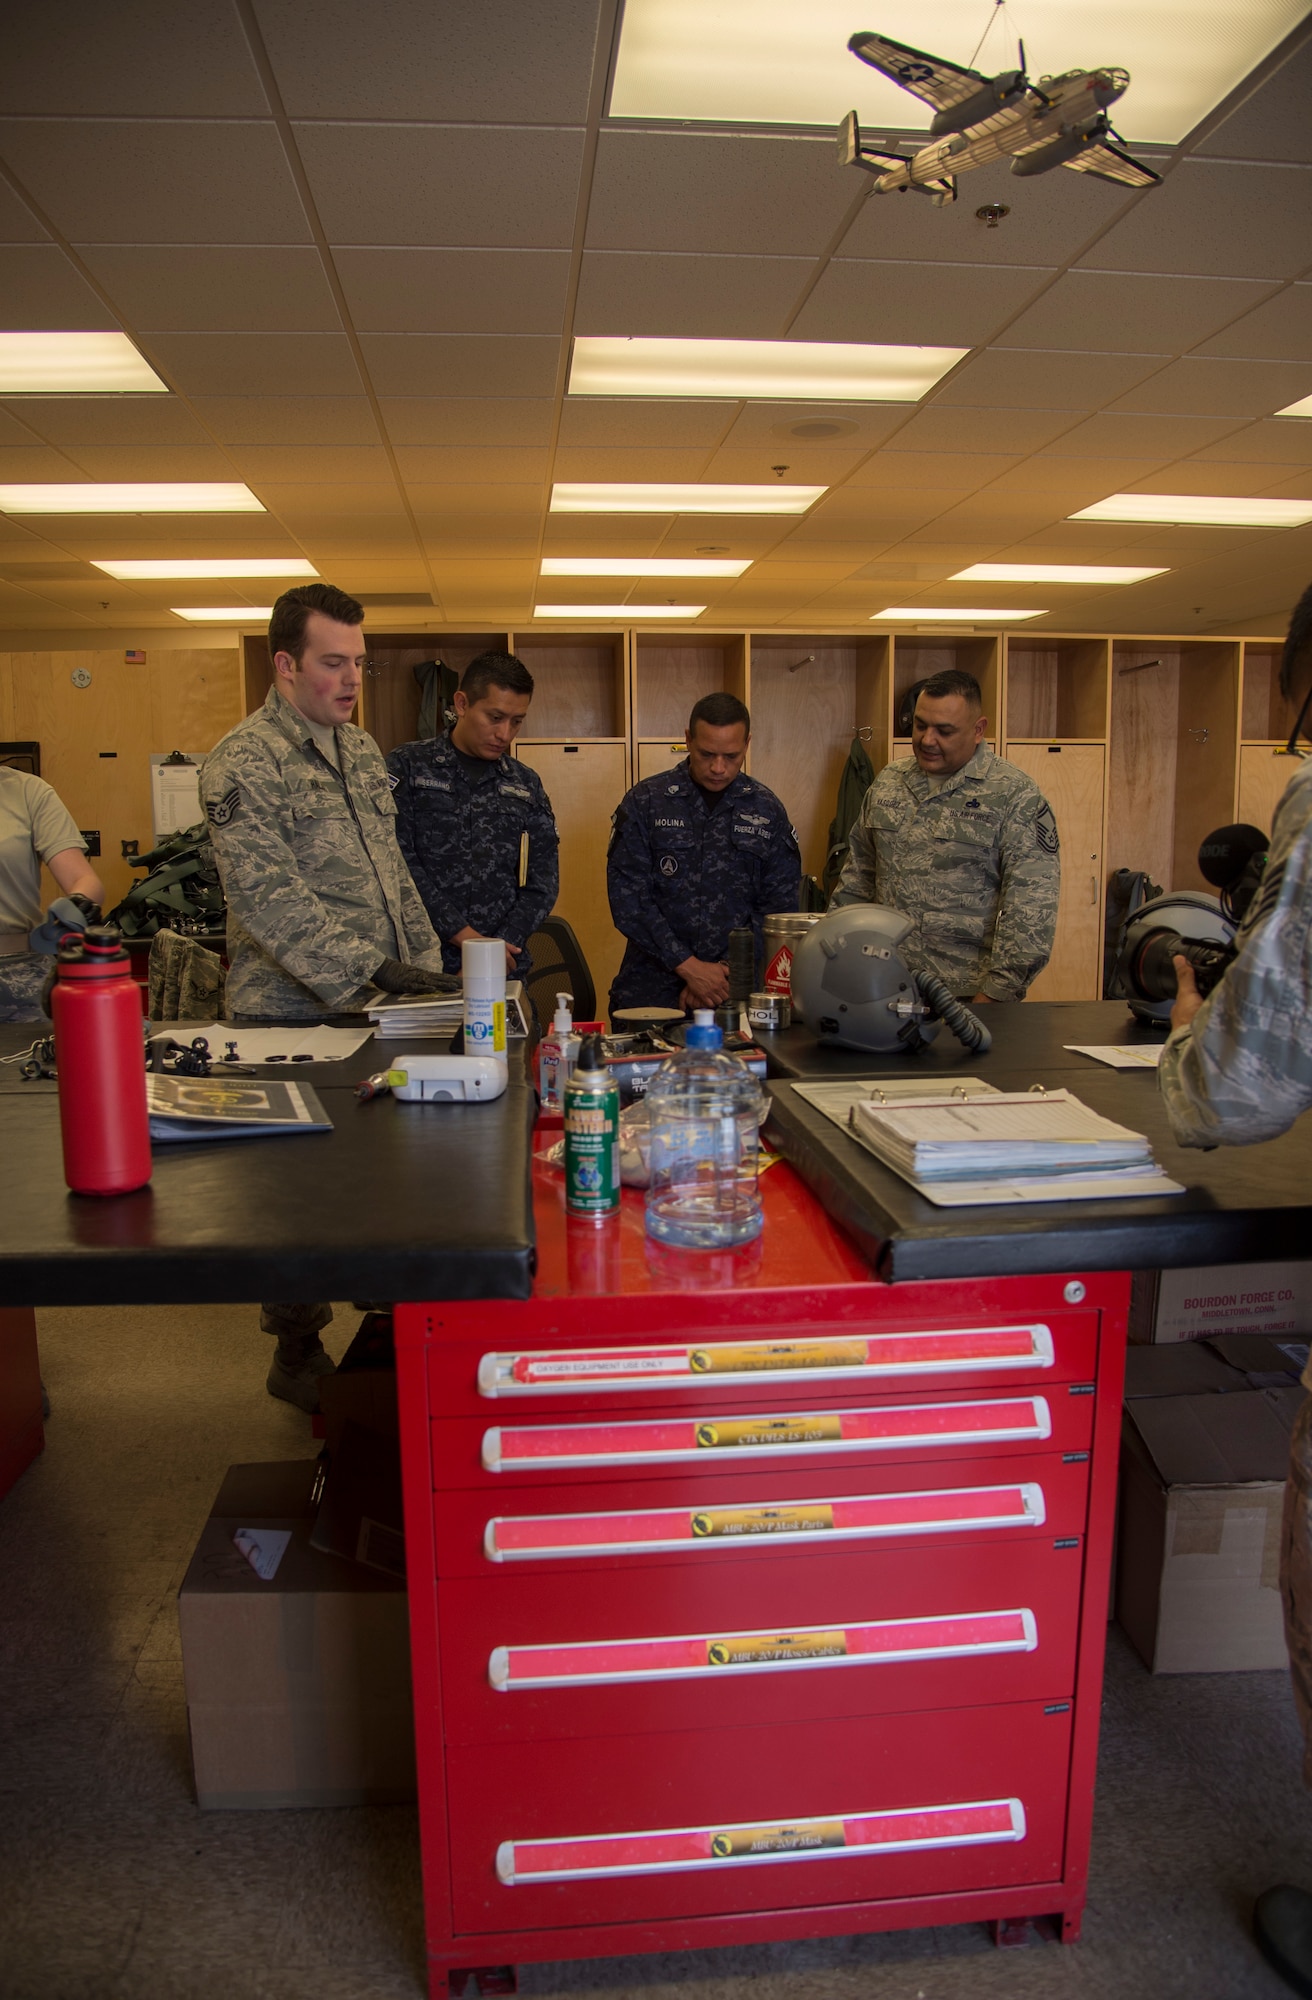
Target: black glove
{"type": "Point", "coordinates": [394, 977]}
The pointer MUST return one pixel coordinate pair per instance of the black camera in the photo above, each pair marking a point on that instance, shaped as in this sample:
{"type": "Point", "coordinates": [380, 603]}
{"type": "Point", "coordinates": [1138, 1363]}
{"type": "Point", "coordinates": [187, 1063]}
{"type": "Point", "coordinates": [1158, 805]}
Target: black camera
{"type": "Point", "coordinates": [1190, 925]}
{"type": "Point", "coordinates": [1150, 972]}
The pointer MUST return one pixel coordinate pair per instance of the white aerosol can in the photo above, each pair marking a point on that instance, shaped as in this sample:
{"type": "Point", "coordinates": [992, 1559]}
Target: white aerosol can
{"type": "Point", "coordinates": [483, 975]}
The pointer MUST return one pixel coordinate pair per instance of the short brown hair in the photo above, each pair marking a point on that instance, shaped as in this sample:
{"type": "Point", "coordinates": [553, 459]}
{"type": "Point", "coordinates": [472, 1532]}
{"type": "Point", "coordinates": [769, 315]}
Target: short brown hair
{"type": "Point", "coordinates": [291, 614]}
{"type": "Point", "coordinates": [939, 687]}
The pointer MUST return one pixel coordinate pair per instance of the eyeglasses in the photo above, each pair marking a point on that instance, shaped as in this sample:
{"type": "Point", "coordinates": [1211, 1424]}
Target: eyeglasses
{"type": "Point", "coordinates": [1292, 748]}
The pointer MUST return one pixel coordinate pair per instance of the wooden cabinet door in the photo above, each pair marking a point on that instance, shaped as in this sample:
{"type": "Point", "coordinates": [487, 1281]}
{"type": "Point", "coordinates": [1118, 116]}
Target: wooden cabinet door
{"type": "Point", "coordinates": [654, 757]}
{"type": "Point", "coordinates": [1070, 776]}
{"type": "Point", "coordinates": [1263, 775]}
{"type": "Point", "coordinates": [585, 782]}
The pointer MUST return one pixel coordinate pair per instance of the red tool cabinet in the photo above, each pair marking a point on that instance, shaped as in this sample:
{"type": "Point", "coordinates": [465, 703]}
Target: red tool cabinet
{"type": "Point", "coordinates": [751, 1597]}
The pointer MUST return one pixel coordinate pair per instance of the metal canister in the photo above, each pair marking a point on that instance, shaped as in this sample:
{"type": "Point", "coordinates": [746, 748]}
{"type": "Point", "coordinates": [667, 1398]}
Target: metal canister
{"type": "Point", "coordinates": [770, 1012]}
{"type": "Point", "coordinates": [783, 933]}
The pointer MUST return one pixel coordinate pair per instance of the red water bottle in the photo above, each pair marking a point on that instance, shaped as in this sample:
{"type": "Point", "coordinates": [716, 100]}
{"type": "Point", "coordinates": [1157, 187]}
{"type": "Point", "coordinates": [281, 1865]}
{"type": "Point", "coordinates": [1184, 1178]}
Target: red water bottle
{"type": "Point", "coordinates": [99, 1054]}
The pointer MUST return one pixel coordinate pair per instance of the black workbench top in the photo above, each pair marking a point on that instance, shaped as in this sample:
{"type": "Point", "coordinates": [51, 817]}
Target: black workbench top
{"type": "Point", "coordinates": [1028, 1033]}
{"type": "Point", "coordinates": [399, 1201]}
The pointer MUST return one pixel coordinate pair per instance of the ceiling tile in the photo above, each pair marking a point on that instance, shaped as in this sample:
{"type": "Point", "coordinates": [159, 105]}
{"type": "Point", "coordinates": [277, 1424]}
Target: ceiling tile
{"type": "Point", "coordinates": [467, 420]}
{"type": "Point", "coordinates": [694, 297]}
{"type": "Point", "coordinates": [630, 462]}
{"type": "Point", "coordinates": [1296, 488]}
{"type": "Point", "coordinates": [177, 181]}
{"type": "Point", "coordinates": [991, 518]}
{"type": "Point", "coordinates": [298, 502]}
{"type": "Point", "coordinates": [409, 59]}
{"type": "Point", "coordinates": [1048, 221]}
{"type": "Point", "coordinates": [152, 461]}
{"type": "Point", "coordinates": [944, 427]}
{"type": "Point", "coordinates": [455, 291]}
{"type": "Point", "coordinates": [934, 305]}
{"type": "Point", "coordinates": [1020, 379]}
{"type": "Point", "coordinates": [217, 290]}
{"type": "Point", "coordinates": [1280, 330]}
{"type": "Point", "coordinates": [939, 470]}
{"type": "Point", "coordinates": [341, 420]}
{"type": "Point", "coordinates": [1279, 441]}
{"type": "Point", "coordinates": [1120, 312]}
{"type": "Point", "coordinates": [143, 58]}
{"type": "Point", "coordinates": [473, 464]}
{"type": "Point", "coordinates": [110, 419]}
{"type": "Point", "coordinates": [36, 463]}
{"type": "Point", "coordinates": [848, 425]}
{"type": "Point", "coordinates": [805, 465]}
{"type": "Point", "coordinates": [17, 223]}
{"type": "Point", "coordinates": [1193, 475]}
{"type": "Point", "coordinates": [428, 184]}
{"type": "Point", "coordinates": [1272, 124]}
{"type": "Point", "coordinates": [1217, 220]}
{"type": "Point", "coordinates": [17, 428]}
{"type": "Point", "coordinates": [878, 511]}
{"type": "Point", "coordinates": [42, 289]}
{"type": "Point", "coordinates": [255, 364]}
{"type": "Point", "coordinates": [417, 364]}
{"type": "Point", "coordinates": [1222, 388]}
{"type": "Point", "coordinates": [602, 422]}
{"type": "Point", "coordinates": [519, 501]}
{"type": "Point", "coordinates": [477, 535]}
{"type": "Point", "coordinates": [1067, 483]}
{"type": "Point", "coordinates": [716, 191]}
{"type": "Point", "coordinates": [1138, 436]}
{"type": "Point", "coordinates": [336, 465]}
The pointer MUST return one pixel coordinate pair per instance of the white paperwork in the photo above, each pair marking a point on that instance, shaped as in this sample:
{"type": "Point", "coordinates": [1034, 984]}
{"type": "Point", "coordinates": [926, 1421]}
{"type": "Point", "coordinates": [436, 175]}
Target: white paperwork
{"type": "Point", "coordinates": [1012, 1146]}
{"type": "Point", "coordinates": [835, 1100]}
{"type": "Point", "coordinates": [261, 1045]}
{"type": "Point", "coordinates": [418, 1016]}
{"type": "Point", "coordinates": [1119, 1055]}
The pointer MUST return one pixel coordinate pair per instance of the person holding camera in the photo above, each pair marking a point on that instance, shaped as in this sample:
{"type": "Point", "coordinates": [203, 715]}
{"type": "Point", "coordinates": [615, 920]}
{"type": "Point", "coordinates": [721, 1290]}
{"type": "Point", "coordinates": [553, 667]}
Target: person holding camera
{"type": "Point", "coordinates": [1237, 1069]}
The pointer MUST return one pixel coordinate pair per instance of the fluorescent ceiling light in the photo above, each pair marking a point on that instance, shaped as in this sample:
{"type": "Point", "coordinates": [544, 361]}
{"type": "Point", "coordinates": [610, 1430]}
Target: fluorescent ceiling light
{"type": "Point", "coordinates": [1052, 573]}
{"type": "Point", "coordinates": [223, 614]}
{"type": "Point", "coordinates": [208, 568]}
{"type": "Point", "coordinates": [775, 370]}
{"type": "Point", "coordinates": [1300, 409]}
{"type": "Point", "coordinates": [1197, 510]}
{"type": "Point", "coordinates": [75, 364]}
{"type": "Point", "coordinates": [644, 565]}
{"type": "Point", "coordinates": [620, 611]}
{"type": "Point", "coordinates": [773, 62]}
{"type": "Point", "coordinates": [917, 612]}
{"type": "Point", "coordinates": [614, 497]}
{"type": "Point", "coordinates": [190, 496]}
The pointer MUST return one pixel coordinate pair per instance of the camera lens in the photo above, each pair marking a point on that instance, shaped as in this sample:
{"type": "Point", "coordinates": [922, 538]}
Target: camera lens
{"type": "Point", "coordinates": [1151, 971]}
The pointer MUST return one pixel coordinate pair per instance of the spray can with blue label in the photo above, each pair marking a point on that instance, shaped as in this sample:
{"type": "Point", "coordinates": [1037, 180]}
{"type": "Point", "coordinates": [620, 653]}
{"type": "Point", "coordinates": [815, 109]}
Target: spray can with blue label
{"type": "Point", "coordinates": [483, 977]}
{"type": "Point", "coordinates": [592, 1136]}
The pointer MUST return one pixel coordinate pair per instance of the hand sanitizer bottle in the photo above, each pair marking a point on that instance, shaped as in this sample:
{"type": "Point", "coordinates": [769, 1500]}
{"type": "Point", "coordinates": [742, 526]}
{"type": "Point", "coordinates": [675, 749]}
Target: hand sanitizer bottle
{"type": "Point", "coordinates": [557, 1054]}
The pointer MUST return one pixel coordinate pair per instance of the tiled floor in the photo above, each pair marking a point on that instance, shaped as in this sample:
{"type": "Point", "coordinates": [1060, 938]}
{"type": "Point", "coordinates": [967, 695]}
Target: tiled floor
{"type": "Point", "coordinates": [113, 1886]}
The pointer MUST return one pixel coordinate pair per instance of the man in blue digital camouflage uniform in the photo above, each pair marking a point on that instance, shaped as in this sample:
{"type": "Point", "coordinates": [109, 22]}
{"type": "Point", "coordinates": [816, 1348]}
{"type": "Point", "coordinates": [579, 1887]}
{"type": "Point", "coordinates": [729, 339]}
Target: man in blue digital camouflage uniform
{"type": "Point", "coordinates": [695, 851]}
{"type": "Point", "coordinates": [474, 824]}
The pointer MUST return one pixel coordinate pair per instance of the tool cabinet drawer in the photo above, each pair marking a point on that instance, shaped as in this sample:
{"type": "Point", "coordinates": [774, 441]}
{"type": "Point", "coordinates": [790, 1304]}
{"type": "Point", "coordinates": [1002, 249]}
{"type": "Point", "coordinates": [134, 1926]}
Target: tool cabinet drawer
{"type": "Point", "coordinates": [748, 1517]}
{"type": "Point", "coordinates": [693, 1823]}
{"type": "Point", "coordinates": [467, 1375]}
{"type": "Point", "coordinates": [524, 1660]}
{"type": "Point", "coordinates": [536, 1447]}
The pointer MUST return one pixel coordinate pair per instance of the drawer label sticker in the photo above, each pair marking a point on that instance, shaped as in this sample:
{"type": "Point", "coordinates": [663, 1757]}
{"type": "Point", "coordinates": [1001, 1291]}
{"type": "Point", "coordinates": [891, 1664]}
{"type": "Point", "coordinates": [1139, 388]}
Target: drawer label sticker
{"type": "Point", "coordinates": [833, 1836]}
{"type": "Point", "coordinates": [909, 1426]}
{"type": "Point", "coordinates": [881, 1642]}
{"type": "Point", "coordinates": [951, 1350]}
{"type": "Point", "coordinates": [514, 1537]}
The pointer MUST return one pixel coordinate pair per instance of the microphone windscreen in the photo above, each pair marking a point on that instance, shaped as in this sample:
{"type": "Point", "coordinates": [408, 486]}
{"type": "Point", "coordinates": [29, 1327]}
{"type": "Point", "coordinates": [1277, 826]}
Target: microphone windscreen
{"type": "Point", "coordinates": [1225, 854]}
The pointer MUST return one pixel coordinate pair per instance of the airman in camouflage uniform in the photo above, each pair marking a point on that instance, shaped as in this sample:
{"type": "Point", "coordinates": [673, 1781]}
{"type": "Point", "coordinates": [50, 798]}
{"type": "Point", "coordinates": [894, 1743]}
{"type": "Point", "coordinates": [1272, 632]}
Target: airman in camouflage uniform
{"type": "Point", "coordinates": [318, 892]}
{"type": "Point", "coordinates": [694, 852]}
{"type": "Point", "coordinates": [972, 860]}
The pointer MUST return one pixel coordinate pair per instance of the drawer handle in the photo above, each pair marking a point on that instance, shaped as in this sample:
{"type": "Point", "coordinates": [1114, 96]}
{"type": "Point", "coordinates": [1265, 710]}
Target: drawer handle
{"type": "Point", "coordinates": [950, 1351]}
{"type": "Point", "coordinates": [1022, 1419]}
{"type": "Point", "coordinates": [534, 1536]}
{"type": "Point", "coordinates": [595, 1663]}
{"type": "Point", "coordinates": [671, 1850]}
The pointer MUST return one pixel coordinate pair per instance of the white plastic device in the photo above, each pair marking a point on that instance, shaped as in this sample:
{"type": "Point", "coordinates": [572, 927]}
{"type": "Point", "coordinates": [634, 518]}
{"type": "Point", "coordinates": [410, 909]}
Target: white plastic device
{"type": "Point", "coordinates": [453, 1079]}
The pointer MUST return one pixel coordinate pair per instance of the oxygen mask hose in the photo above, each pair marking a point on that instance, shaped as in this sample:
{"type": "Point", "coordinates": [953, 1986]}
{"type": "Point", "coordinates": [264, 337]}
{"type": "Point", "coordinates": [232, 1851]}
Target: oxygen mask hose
{"type": "Point", "coordinates": [967, 1027]}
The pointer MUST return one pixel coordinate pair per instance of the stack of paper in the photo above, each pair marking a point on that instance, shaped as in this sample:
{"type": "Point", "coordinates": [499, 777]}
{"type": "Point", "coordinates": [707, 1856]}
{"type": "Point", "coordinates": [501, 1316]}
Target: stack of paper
{"type": "Point", "coordinates": [1015, 1146]}
{"type": "Point", "coordinates": [419, 1018]}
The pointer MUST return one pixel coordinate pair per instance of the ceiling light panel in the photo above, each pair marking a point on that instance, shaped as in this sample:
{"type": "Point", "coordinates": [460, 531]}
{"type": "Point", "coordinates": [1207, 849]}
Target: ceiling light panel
{"type": "Point", "coordinates": [644, 565]}
{"type": "Point", "coordinates": [194, 496]}
{"type": "Point", "coordinates": [617, 497]}
{"type": "Point", "coordinates": [1198, 510]}
{"type": "Point", "coordinates": [208, 568]}
{"type": "Point", "coordinates": [74, 364]}
{"type": "Point", "coordinates": [1303, 408]}
{"type": "Point", "coordinates": [1052, 573]}
{"type": "Point", "coordinates": [919, 612]}
{"type": "Point", "coordinates": [223, 614]}
{"type": "Point", "coordinates": [622, 612]}
{"type": "Point", "coordinates": [773, 62]}
{"type": "Point", "coordinates": [759, 370]}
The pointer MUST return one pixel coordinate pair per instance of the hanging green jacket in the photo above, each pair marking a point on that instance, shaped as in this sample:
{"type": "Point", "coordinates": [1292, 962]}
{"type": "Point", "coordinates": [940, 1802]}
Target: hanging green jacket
{"type": "Point", "coordinates": [858, 776]}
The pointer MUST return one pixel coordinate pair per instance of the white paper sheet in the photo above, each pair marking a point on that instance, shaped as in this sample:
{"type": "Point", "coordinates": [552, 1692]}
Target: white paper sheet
{"type": "Point", "coordinates": [174, 795]}
{"type": "Point", "coordinates": [1136, 1055]}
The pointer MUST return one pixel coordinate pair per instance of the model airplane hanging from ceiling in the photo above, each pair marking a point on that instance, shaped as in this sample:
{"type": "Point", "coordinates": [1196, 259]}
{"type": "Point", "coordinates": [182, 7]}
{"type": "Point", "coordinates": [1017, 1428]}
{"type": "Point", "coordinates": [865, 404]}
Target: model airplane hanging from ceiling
{"type": "Point", "coordinates": [1061, 121]}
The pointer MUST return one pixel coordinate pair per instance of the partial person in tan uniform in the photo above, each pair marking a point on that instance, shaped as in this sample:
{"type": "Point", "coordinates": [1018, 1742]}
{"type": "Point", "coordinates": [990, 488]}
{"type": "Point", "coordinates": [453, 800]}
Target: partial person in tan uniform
{"type": "Point", "coordinates": [36, 830]}
{"type": "Point", "coordinates": [1236, 1070]}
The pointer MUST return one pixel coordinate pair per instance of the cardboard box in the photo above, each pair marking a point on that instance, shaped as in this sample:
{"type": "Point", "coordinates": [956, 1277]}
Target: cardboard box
{"type": "Point", "coordinates": [1274, 1299]}
{"type": "Point", "coordinates": [298, 1689]}
{"type": "Point", "coordinates": [1215, 1365]}
{"type": "Point", "coordinates": [1202, 1492]}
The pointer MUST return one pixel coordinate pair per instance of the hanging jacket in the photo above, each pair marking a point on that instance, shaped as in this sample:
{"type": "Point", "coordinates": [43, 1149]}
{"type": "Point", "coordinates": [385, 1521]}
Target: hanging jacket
{"type": "Point", "coordinates": [858, 776]}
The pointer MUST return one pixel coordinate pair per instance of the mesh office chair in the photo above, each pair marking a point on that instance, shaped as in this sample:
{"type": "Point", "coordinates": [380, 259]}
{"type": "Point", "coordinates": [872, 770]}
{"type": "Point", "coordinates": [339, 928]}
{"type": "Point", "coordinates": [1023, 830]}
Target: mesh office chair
{"type": "Point", "coordinates": [559, 967]}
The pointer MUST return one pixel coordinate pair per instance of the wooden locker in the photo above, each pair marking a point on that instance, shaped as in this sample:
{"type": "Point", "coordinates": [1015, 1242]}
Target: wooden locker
{"type": "Point", "coordinates": [654, 757]}
{"type": "Point", "coordinates": [585, 782]}
{"type": "Point", "coordinates": [1070, 776]}
{"type": "Point", "coordinates": [1263, 775]}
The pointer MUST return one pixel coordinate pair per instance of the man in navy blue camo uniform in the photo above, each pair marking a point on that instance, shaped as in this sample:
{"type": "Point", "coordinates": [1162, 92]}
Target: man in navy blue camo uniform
{"type": "Point", "coordinates": [695, 851]}
{"type": "Point", "coordinates": [474, 824]}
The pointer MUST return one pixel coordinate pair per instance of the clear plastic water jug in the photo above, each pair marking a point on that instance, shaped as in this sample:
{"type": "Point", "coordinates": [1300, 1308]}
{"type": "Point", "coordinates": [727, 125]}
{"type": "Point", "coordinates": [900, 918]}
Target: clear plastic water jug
{"type": "Point", "coordinates": [705, 1112]}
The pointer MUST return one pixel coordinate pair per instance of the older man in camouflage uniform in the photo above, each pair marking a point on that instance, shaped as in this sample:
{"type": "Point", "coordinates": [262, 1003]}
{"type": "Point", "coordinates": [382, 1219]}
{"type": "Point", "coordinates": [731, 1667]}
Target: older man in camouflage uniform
{"type": "Point", "coordinates": [965, 845]}
{"type": "Point", "coordinates": [322, 914]}
{"type": "Point", "coordinates": [1237, 1069]}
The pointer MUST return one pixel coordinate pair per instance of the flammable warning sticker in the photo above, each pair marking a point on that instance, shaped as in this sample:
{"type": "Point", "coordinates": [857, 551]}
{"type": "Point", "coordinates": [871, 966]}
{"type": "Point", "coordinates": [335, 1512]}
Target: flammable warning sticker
{"type": "Point", "coordinates": [750, 1648]}
{"type": "Point", "coordinates": [709, 1522]}
{"type": "Point", "coordinates": [727, 1432]}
